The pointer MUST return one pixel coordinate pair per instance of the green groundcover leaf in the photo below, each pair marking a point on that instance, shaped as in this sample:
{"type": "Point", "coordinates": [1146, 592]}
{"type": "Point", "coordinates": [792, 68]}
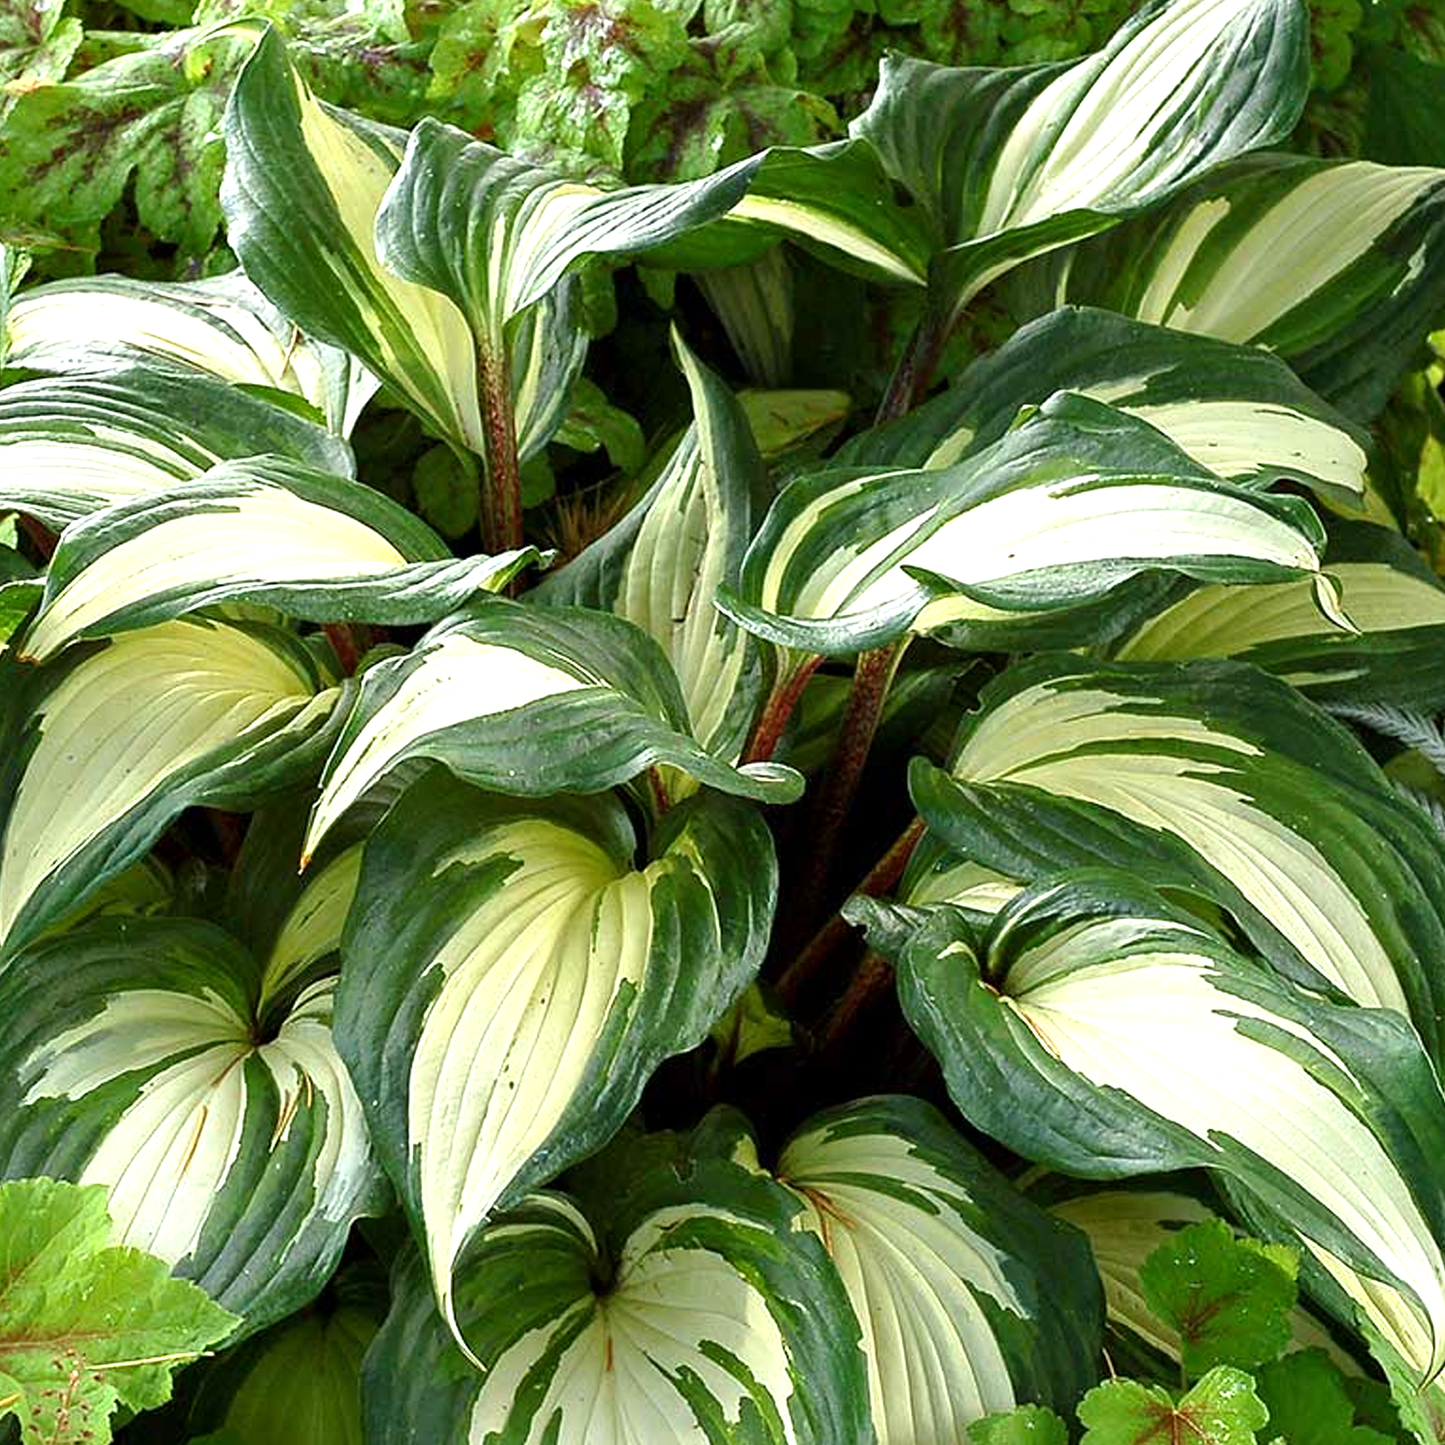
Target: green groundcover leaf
{"type": "Point", "coordinates": [1222, 1409]}
{"type": "Point", "coordinates": [1026, 1425]}
{"type": "Point", "coordinates": [86, 1325]}
{"type": "Point", "coordinates": [1308, 1403]}
{"type": "Point", "coordinates": [1129, 1226]}
{"type": "Point", "coordinates": [37, 42]}
{"type": "Point", "coordinates": [69, 149]}
{"type": "Point", "coordinates": [1228, 1300]}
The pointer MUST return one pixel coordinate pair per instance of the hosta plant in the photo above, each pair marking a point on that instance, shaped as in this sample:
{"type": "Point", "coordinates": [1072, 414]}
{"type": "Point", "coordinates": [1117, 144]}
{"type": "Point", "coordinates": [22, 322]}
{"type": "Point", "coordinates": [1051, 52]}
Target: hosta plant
{"type": "Point", "coordinates": [484, 970]}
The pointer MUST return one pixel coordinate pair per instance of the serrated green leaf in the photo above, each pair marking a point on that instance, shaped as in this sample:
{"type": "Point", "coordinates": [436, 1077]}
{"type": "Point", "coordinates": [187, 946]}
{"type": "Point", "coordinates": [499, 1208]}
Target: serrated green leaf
{"type": "Point", "coordinates": [17, 602]}
{"type": "Point", "coordinates": [1025, 1425]}
{"type": "Point", "coordinates": [37, 41]}
{"type": "Point", "coordinates": [512, 979]}
{"type": "Point", "coordinates": [1307, 1402]}
{"type": "Point", "coordinates": [593, 424]}
{"type": "Point", "coordinates": [1228, 1300]}
{"type": "Point", "coordinates": [1125, 1227]}
{"type": "Point", "coordinates": [1222, 1409]}
{"type": "Point", "coordinates": [445, 484]}
{"type": "Point", "coordinates": [86, 1325]}
{"type": "Point", "coordinates": [70, 148]}
{"type": "Point", "coordinates": [781, 420]}
{"type": "Point", "coordinates": [598, 58]}
{"type": "Point", "coordinates": [14, 262]}
{"type": "Point", "coordinates": [129, 1057]}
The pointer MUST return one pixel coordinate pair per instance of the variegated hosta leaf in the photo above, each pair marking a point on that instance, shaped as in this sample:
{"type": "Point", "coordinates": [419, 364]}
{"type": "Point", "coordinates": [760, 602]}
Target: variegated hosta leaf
{"type": "Point", "coordinates": [936, 876]}
{"type": "Point", "coordinates": [704, 1317]}
{"type": "Point", "coordinates": [315, 546]}
{"type": "Point", "coordinates": [222, 326]}
{"type": "Point", "coordinates": [302, 187]}
{"type": "Point", "coordinates": [1236, 410]}
{"type": "Point", "coordinates": [547, 349]}
{"type": "Point", "coordinates": [971, 1300]}
{"type": "Point", "coordinates": [512, 979]}
{"type": "Point", "coordinates": [1074, 501]}
{"type": "Point", "coordinates": [1394, 600]}
{"type": "Point", "coordinates": [528, 701]}
{"type": "Point", "coordinates": [101, 752]}
{"type": "Point", "coordinates": [662, 564]}
{"type": "Point", "coordinates": [1016, 162]}
{"type": "Point", "coordinates": [133, 1054]}
{"type": "Point", "coordinates": [146, 887]}
{"type": "Point", "coordinates": [1097, 1030]}
{"type": "Point", "coordinates": [1337, 266]}
{"type": "Point", "coordinates": [832, 199]}
{"type": "Point", "coordinates": [70, 445]}
{"type": "Point", "coordinates": [756, 306]}
{"type": "Point", "coordinates": [310, 934]}
{"type": "Point", "coordinates": [1217, 779]}
{"type": "Point", "coordinates": [496, 234]}
{"type": "Point", "coordinates": [1124, 1227]}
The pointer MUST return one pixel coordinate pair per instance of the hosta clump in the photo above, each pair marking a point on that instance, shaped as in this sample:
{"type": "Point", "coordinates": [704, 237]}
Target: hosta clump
{"type": "Point", "coordinates": [473, 900]}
